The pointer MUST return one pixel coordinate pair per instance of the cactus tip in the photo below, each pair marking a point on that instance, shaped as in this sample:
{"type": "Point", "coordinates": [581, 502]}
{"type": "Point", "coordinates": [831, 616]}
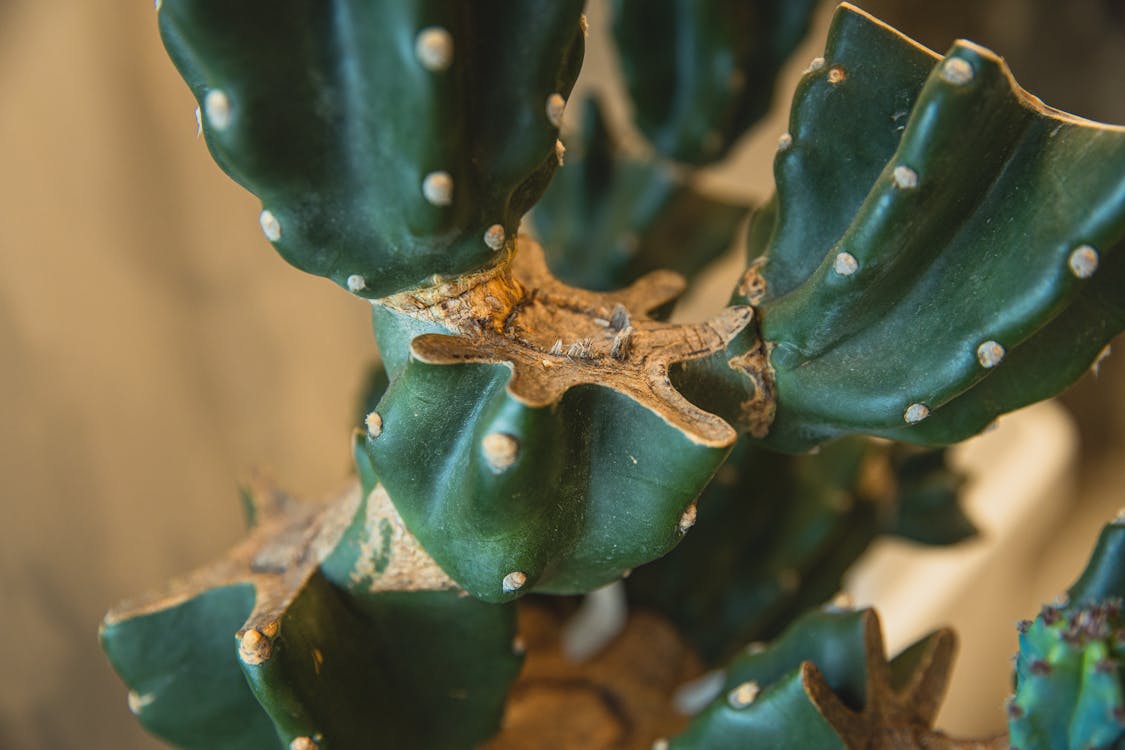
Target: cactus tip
{"type": "Point", "coordinates": [374, 423]}
{"type": "Point", "coordinates": [990, 354]}
{"type": "Point", "coordinates": [255, 646]}
{"type": "Point", "coordinates": [915, 413]}
{"type": "Point", "coordinates": [434, 48]}
{"type": "Point", "coordinates": [743, 695]}
{"type": "Point", "coordinates": [217, 107]}
{"type": "Point", "coordinates": [500, 450]}
{"type": "Point", "coordinates": [514, 581]}
{"type": "Point", "coordinates": [271, 227]}
{"type": "Point", "coordinates": [845, 264]}
{"type": "Point", "coordinates": [957, 71]}
{"type": "Point", "coordinates": [494, 236]}
{"type": "Point", "coordinates": [556, 106]}
{"type": "Point", "coordinates": [437, 188]}
{"type": "Point", "coordinates": [905, 178]}
{"type": "Point", "coordinates": [1083, 261]}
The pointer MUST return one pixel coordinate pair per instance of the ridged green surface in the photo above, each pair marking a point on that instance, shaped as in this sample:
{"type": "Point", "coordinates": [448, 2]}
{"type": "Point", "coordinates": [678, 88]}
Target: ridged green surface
{"type": "Point", "coordinates": [959, 202]}
{"type": "Point", "coordinates": [811, 688]}
{"type": "Point", "coordinates": [1070, 687]}
{"type": "Point", "coordinates": [775, 535]}
{"type": "Point", "coordinates": [183, 674]}
{"type": "Point", "coordinates": [701, 72]}
{"type": "Point", "coordinates": [599, 485]}
{"type": "Point", "coordinates": [345, 665]}
{"type": "Point", "coordinates": [326, 110]}
{"type": "Point", "coordinates": [609, 217]}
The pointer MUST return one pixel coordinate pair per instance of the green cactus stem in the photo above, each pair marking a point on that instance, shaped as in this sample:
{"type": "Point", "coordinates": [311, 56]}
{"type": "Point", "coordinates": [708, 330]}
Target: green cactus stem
{"type": "Point", "coordinates": [826, 684]}
{"type": "Point", "coordinates": [273, 647]}
{"type": "Point", "coordinates": [530, 436]}
{"type": "Point", "coordinates": [700, 73]}
{"type": "Point", "coordinates": [612, 216]}
{"type": "Point", "coordinates": [388, 142]}
{"type": "Point", "coordinates": [1070, 687]}
{"type": "Point", "coordinates": [776, 534]}
{"type": "Point", "coordinates": [911, 283]}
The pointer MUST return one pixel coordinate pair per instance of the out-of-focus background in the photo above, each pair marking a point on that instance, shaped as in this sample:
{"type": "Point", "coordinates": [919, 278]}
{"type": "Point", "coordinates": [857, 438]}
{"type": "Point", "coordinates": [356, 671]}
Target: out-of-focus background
{"type": "Point", "coordinates": [153, 349]}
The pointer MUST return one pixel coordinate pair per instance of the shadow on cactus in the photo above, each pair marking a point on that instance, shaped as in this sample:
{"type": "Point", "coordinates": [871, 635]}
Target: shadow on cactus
{"type": "Point", "coordinates": [941, 250]}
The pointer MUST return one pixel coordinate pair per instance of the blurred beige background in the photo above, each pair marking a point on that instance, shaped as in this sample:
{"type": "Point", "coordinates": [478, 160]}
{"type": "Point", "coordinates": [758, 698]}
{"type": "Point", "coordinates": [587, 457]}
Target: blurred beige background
{"type": "Point", "coordinates": [154, 349]}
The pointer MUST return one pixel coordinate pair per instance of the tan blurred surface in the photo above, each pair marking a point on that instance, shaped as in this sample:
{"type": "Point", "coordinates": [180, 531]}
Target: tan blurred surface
{"type": "Point", "coordinates": [154, 349]}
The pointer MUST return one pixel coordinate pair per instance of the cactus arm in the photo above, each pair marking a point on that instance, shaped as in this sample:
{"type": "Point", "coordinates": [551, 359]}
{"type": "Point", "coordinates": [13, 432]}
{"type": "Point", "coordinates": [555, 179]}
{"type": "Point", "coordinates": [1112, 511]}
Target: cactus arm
{"type": "Point", "coordinates": [700, 74]}
{"type": "Point", "coordinates": [826, 683]}
{"type": "Point", "coordinates": [388, 142]}
{"type": "Point", "coordinates": [776, 534]}
{"type": "Point", "coordinates": [1070, 690]}
{"type": "Point", "coordinates": [537, 443]}
{"type": "Point", "coordinates": [342, 636]}
{"type": "Point", "coordinates": [610, 216]}
{"type": "Point", "coordinates": [930, 278]}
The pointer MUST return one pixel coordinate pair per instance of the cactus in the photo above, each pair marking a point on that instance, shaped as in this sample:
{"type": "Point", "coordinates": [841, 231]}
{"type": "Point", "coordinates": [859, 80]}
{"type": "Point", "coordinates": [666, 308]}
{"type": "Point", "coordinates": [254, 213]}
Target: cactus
{"type": "Point", "coordinates": [701, 73]}
{"type": "Point", "coordinates": [1070, 689]}
{"type": "Point", "coordinates": [334, 631]}
{"type": "Point", "coordinates": [575, 459]}
{"type": "Point", "coordinates": [531, 436]}
{"type": "Point", "coordinates": [826, 684]}
{"type": "Point", "coordinates": [611, 216]}
{"type": "Point", "coordinates": [775, 535]}
{"type": "Point", "coordinates": [402, 141]}
{"type": "Point", "coordinates": [907, 222]}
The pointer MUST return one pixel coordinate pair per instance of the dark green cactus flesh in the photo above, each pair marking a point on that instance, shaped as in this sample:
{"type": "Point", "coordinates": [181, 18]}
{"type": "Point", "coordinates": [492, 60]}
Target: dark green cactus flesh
{"type": "Point", "coordinates": [1070, 687]}
{"type": "Point", "coordinates": [552, 464]}
{"type": "Point", "coordinates": [776, 534]}
{"type": "Point", "coordinates": [271, 648]}
{"type": "Point", "coordinates": [389, 142]}
{"type": "Point", "coordinates": [701, 72]}
{"type": "Point", "coordinates": [942, 248]}
{"type": "Point", "coordinates": [610, 217]}
{"type": "Point", "coordinates": [826, 684]}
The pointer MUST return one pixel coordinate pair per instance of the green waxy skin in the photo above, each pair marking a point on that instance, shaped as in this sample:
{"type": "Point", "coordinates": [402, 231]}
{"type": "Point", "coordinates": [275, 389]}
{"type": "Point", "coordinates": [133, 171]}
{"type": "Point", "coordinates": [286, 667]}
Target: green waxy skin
{"type": "Point", "coordinates": [776, 534]}
{"type": "Point", "coordinates": [942, 248]}
{"type": "Point", "coordinates": [701, 72]}
{"type": "Point", "coordinates": [610, 217]}
{"type": "Point", "coordinates": [1070, 688]}
{"type": "Point", "coordinates": [825, 684]}
{"type": "Point", "coordinates": [274, 648]}
{"type": "Point", "coordinates": [335, 112]}
{"type": "Point", "coordinates": [511, 494]}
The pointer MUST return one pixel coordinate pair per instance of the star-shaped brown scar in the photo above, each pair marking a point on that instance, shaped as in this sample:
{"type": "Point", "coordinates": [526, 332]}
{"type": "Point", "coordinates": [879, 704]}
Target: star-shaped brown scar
{"type": "Point", "coordinates": [902, 697]}
{"type": "Point", "coordinates": [555, 337]}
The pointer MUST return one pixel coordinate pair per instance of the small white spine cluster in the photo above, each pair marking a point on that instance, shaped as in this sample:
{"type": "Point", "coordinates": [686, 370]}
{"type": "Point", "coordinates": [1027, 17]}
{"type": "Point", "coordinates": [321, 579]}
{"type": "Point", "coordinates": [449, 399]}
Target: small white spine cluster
{"type": "Point", "coordinates": [434, 49]}
{"type": "Point", "coordinates": [514, 581]}
{"type": "Point", "coordinates": [271, 227]}
{"type": "Point", "coordinates": [743, 695]}
{"type": "Point", "coordinates": [216, 105]}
